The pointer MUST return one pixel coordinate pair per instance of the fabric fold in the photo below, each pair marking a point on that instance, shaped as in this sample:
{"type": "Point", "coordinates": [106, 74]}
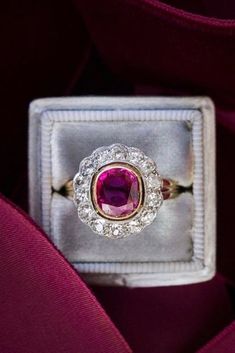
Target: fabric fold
{"type": "Point", "coordinates": [223, 342]}
{"type": "Point", "coordinates": [45, 306]}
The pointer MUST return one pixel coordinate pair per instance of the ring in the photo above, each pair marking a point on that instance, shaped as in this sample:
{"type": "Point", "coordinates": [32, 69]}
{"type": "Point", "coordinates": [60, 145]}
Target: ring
{"type": "Point", "coordinates": [118, 191]}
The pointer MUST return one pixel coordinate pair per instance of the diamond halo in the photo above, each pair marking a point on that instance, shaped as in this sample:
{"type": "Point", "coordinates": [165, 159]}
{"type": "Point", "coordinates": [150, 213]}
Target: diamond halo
{"type": "Point", "coordinates": [132, 159]}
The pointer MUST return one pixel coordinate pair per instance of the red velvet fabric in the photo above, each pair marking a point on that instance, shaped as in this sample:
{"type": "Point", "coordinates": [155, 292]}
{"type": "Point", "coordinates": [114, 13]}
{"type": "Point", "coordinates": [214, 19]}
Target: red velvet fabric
{"type": "Point", "coordinates": [45, 306]}
{"type": "Point", "coordinates": [55, 48]}
{"type": "Point", "coordinates": [224, 342]}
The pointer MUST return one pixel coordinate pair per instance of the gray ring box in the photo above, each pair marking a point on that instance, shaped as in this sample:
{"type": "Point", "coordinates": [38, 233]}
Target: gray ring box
{"type": "Point", "coordinates": [179, 134]}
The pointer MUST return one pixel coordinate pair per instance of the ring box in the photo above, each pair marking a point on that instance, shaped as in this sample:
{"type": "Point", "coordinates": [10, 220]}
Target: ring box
{"type": "Point", "coordinates": [179, 134]}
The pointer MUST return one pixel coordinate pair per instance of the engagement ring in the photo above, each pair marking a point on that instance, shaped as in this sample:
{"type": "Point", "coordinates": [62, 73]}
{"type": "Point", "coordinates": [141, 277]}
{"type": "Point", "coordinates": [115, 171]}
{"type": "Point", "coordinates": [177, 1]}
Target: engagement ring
{"type": "Point", "coordinates": [118, 191]}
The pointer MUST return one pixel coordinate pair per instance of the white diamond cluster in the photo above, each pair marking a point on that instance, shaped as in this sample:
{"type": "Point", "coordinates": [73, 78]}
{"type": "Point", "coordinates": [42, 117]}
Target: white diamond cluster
{"type": "Point", "coordinates": [152, 191]}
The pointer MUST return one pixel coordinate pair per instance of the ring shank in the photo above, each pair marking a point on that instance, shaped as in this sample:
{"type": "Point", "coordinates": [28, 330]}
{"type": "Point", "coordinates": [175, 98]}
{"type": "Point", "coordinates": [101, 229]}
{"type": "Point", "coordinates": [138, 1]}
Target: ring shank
{"type": "Point", "coordinates": [170, 189]}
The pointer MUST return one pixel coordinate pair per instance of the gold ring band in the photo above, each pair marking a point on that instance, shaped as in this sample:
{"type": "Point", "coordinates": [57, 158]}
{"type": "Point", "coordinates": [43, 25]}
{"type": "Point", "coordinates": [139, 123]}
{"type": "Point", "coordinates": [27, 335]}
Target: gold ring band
{"type": "Point", "coordinates": [170, 189]}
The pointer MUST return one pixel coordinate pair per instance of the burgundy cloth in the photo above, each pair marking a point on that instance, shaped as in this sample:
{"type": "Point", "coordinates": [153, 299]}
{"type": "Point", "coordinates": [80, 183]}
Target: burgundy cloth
{"type": "Point", "coordinates": [45, 306]}
{"type": "Point", "coordinates": [149, 42]}
{"type": "Point", "coordinates": [55, 48]}
{"type": "Point", "coordinates": [224, 342]}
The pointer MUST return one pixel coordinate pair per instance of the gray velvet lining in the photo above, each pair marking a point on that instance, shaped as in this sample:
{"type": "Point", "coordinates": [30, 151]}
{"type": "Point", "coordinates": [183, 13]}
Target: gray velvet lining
{"type": "Point", "coordinates": [179, 133]}
{"type": "Point", "coordinates": [169, 143]}
{"type": "Point", "coordinates": [169, 238]}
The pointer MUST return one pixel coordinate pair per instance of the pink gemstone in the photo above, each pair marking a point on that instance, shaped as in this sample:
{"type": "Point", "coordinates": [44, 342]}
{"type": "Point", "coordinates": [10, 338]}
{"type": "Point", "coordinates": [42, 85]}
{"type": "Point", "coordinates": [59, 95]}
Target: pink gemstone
{"type": "Point", "coordinates": [117, 192]}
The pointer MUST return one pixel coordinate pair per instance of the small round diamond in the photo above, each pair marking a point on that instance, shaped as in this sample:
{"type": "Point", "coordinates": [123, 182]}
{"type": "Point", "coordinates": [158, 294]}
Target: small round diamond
{"type": "Point", "coordinates": [87, 167]}
{"type": "Point", "coordinates": [118, 152]}
{"type": "Point", "coordinates": [154, 181]}
{"type": "Point", "coordinates": [116, 230]}
{"type": "Point", "coordinates": [85, 211]}
{"type": "Point", "coordinates": [148, 216]}
{"type": "Point", "coordinates": [81, 181]}
{"type": "Point", "coordinates": [148, 166]}
{"type": "Point", "coordinates": [135, 226]}
{"type": "Point", "coordinates": [78, 180]}
{"type": "Point", "coordinates": [103, 157]}
{"type": "Point", "coordinates": [154, 199]}
{"type": "Point", "coordinates": [135, 155]}
{"type": "Point", "coordinates": [98, 226]}
{"type": "Point", "coordinates": [81, 195]}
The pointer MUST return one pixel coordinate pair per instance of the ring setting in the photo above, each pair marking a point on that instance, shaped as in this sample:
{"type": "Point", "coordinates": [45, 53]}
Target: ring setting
{"type": "Point", "coordinates": [117, 191]}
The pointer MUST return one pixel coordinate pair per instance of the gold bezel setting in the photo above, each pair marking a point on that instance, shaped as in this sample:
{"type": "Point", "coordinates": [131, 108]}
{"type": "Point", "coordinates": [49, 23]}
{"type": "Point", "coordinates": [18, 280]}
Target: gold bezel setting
{"type": "Point", "coordinates": [107, 167]}
{"type": "Point", "coordinates": [149, 180]}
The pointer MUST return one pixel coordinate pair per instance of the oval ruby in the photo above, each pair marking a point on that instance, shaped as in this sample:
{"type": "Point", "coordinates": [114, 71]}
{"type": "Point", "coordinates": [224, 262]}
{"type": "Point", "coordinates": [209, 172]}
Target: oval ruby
{"type": "Point", "coordinates": [117, 192]}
